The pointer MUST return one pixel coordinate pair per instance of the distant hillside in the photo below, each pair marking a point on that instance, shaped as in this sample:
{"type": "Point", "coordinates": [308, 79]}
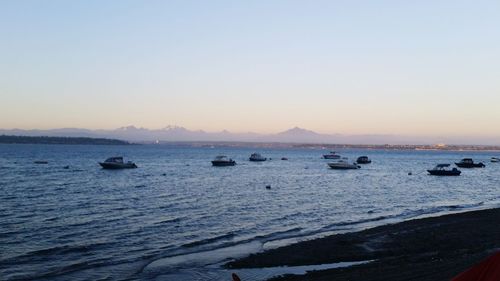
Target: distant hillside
{"type": "Point", "coordinates": [59, 140]}
{"type": "Point", "coordinates": [293, 135]}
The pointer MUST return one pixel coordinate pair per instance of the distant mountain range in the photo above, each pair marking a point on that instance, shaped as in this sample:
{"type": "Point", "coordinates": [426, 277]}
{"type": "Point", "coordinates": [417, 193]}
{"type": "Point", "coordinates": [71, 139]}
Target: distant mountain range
{"type": "Point", "coordinates": [294, 135]}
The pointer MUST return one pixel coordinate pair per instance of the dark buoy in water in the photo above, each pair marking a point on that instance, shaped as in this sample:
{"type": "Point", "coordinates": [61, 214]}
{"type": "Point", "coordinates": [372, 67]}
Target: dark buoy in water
{"type": "Point", "coordinates": [164, 174]}
{"type": "Point", "coordinates": [410, 173]}
{"type": "Point", "coordinates": [66, 167]}
{"type": "Point", "coordinates": [268, 186]}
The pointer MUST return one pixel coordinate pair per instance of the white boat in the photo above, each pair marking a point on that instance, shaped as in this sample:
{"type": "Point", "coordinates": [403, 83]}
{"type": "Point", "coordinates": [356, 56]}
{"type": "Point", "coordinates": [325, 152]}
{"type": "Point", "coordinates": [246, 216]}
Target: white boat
{"type": "Point", "coordinates": [117, 163]}
{"type": "Point", "coordinates": [222, 160]}
{"type": "Point", "coordinates": [495, 159]}
{"type": "Point", "coordinates": [441, 170]}
{"type": "Point", "coordinates": [257, 157]}
{"type": "Point", "coordinates": [343, 164]}
{"type": "Point", "coordinates": [331, 155]}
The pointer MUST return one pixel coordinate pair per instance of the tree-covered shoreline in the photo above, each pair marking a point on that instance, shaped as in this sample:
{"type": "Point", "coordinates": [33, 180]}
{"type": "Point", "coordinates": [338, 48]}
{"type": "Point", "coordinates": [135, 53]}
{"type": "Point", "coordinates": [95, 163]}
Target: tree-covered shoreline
{"type": "Point", "coordinates": [8, 139]}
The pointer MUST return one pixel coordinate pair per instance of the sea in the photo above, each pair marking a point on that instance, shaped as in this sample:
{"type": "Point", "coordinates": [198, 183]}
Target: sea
{"type": "Point", "coordinates": [176, 217]}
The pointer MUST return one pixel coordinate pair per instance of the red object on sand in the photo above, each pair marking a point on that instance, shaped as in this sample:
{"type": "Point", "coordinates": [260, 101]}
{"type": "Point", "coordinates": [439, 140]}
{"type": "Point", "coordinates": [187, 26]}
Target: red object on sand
{"type": "Point", "coordinates": [235, 277]}
{"type": "Point", "coordinates": [486, 270]}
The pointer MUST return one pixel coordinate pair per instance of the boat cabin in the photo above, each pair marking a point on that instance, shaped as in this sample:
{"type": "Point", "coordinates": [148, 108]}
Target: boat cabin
{"type": "Point", "coordinates": [114, 160]}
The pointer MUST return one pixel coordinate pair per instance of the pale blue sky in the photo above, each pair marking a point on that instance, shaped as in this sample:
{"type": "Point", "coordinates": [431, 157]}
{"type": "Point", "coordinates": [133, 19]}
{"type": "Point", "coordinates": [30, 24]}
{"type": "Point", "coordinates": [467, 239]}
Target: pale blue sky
{"type": "Point", "coordinates": [399, 67]}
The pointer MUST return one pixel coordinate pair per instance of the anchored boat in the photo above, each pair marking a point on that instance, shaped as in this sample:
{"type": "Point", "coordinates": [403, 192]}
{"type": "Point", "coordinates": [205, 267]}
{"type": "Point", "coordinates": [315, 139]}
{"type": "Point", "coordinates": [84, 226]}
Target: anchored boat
{"type": "Point", "coordinates": [256, 157]}
{"type": "Point", "coordinates": [440, 170]}
{"type": "Point", "coordinates": [115, 163]}
{"type": "Point", "coordinates": [469, 163]}
{"type": "Point", "coordinates": [331, 155]}
{"type": "Point", "coordinates": [363, 160]}
{"type": "Point", "coordinates": [222, 160]}
{"type": "Point", "coordinates": [343, 164]}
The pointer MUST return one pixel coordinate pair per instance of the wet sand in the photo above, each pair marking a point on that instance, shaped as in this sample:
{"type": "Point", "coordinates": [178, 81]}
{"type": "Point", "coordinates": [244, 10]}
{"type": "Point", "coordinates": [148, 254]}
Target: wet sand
{"type": "Point", "coordinates": [435, 248]}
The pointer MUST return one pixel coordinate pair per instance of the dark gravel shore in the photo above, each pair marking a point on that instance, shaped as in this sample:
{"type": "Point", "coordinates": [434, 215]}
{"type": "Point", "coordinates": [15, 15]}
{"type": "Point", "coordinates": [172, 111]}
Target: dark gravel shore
{"type": "Point", "coordinates": [423, 249]}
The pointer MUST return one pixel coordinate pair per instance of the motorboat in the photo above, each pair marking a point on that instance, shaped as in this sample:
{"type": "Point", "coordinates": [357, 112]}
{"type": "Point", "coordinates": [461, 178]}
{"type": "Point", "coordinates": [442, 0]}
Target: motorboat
{"type": "Point", "coordinates": [363, 160]}
{"type": "Point", "coordinates": [469, 163]}
{"type": "Point", "coordinates": [331, 155]}
{"type": "Point", "coordinates": [115, 163]}
{"type": "Point", "coordinates": [440, 170]}
{"type": "Point", "coordinates": [343, 164]}
{"type": "Point", "coordinates": [495, 159]}
{"type": "Point", "coordinates": [256, 157]}
{"type": "Point", "coordinates": [222, 160]}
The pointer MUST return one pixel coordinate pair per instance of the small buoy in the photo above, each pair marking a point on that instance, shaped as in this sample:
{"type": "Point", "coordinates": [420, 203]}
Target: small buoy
{"type": "Point", "coordinates": [268, 186]}
{"type": "Point", "coordinates": [409, 173]}
{"type": "Point", "coordinates": [66, 167]}
{"type": "Point", "coordinates": [164, 174]}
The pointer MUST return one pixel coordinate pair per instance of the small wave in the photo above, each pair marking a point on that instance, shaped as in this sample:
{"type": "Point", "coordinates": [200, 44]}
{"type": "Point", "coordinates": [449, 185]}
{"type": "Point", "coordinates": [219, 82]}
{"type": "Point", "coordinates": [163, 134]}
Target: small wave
{"type": "Point", "coordinates": [347, 223]}
{"type": "Point", "coordinates": [77, 224]}
{"type": "Point", "coordinates": [407, 214]}
{"type": "Point", "coordinates": [67, 269]}
{"type": "Point", "coordinates": [51, 218]}
{"type": "Point", "coordinates": [437, 209]}
{"type": "Point", "coordinates": [9, 233]}
{"type": "Point", "coordinates": [53, 251]}
{"type": "Point", "coordinates": [466, 206]}
{"type": "Point", "coordinates": [287, 217]}
{"type": "Point", "coordinates": [168, 221]}
{"type": "Point", "coordinates": [208, 240]}
{"type": "Point", "coordinates": [278, 234]}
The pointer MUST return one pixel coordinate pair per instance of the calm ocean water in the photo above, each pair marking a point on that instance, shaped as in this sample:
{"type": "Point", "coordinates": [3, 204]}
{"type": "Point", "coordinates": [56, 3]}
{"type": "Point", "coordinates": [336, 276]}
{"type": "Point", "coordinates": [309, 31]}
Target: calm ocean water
{"type": "Point", "coordinates": [178, 217]}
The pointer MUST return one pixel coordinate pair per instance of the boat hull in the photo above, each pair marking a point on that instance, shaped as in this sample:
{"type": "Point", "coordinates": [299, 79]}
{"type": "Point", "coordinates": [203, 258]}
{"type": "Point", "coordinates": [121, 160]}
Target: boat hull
{"type": "Point", "coordinates": [257, 159]}
{"type": "Point", "coordinates": [343, 167]}
{"type": "Point", "coordinates": [117, 166]}
{"type": "Point", "coordinates": [223, 163]}
{"type": "Point", "coordinates": [444, 173]}
{"type": "Point", "coordinates": [327, 156]}
{"type": "Point", "coordinates": [468, 165]}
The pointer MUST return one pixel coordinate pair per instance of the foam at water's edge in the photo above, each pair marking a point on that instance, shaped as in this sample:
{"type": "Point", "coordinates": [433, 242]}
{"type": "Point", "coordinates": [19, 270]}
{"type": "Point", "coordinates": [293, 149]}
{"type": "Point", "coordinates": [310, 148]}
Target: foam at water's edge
{"type": "Point", "coordinates": [256, 274]}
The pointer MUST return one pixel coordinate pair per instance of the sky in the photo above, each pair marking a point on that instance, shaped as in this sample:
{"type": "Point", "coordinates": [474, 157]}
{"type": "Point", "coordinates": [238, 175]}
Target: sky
{"type": "Point", "coordinates": [423, 68]}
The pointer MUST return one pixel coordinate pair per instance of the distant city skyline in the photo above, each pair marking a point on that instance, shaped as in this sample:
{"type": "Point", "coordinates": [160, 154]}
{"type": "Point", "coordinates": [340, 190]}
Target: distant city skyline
{"type": "Point", "coordinates": [421, 68]}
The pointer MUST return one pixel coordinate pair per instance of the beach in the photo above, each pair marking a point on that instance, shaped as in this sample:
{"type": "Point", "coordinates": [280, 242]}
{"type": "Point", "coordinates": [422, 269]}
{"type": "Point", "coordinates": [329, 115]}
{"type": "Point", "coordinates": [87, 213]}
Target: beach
{"type": "Point", "coordinates": [435, 248]}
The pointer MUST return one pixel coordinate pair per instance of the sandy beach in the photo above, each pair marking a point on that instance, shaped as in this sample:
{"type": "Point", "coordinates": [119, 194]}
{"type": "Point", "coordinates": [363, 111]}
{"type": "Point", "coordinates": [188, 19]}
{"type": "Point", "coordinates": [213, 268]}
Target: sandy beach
{"type": "Point", "coordinates": [436, 248]}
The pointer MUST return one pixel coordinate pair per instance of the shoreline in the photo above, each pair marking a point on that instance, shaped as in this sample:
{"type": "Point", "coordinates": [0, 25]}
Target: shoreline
{"type": "Point", "coordinates": [434, 248]}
